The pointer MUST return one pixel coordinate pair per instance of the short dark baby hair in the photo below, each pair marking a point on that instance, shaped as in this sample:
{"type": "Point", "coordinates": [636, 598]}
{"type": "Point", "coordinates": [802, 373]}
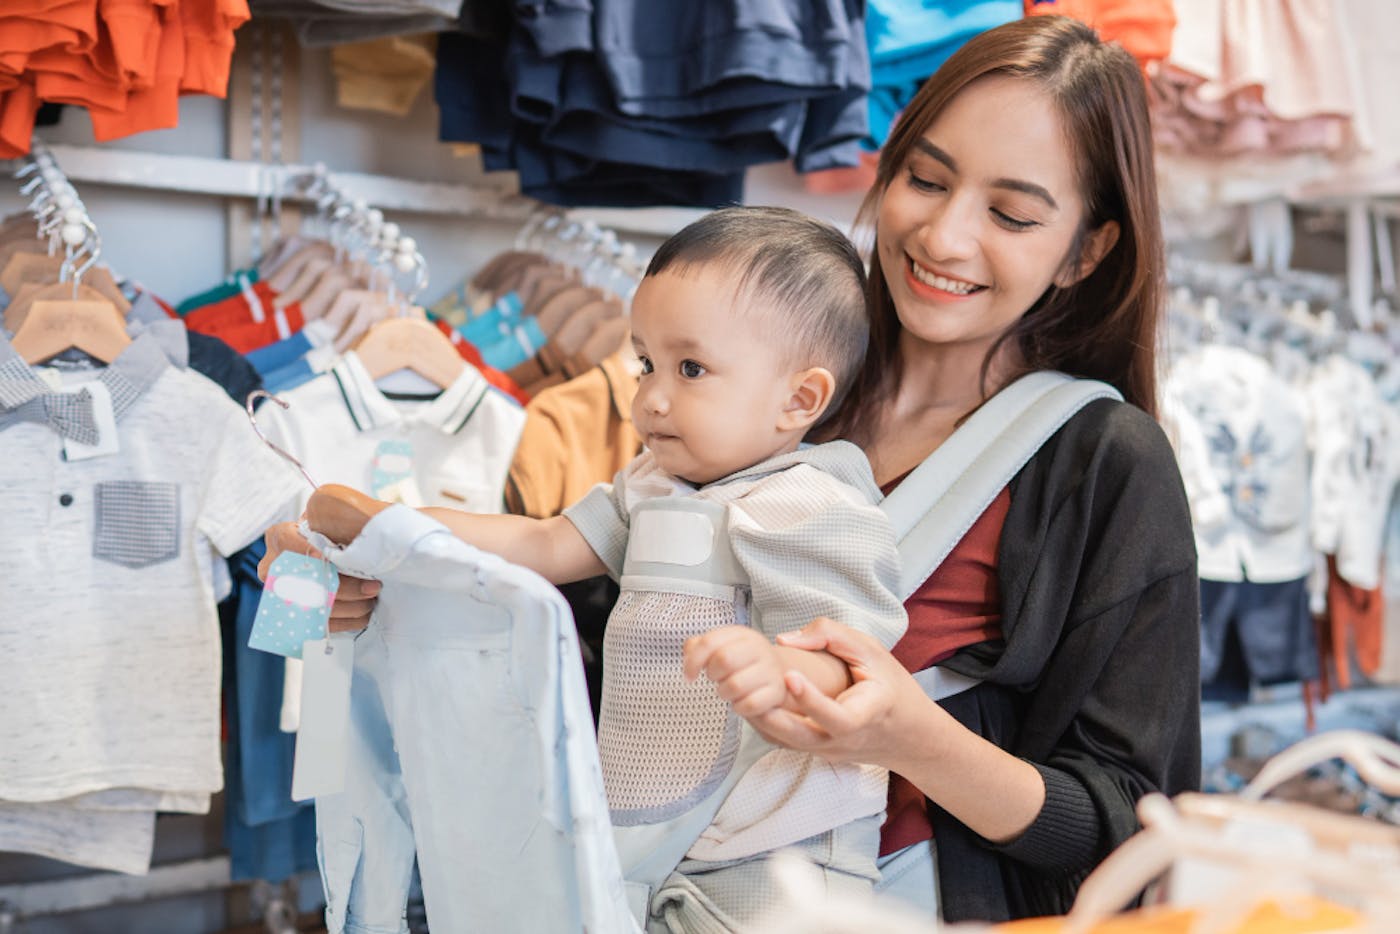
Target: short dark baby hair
{"type": "Point", "coordinates": [807, 270]}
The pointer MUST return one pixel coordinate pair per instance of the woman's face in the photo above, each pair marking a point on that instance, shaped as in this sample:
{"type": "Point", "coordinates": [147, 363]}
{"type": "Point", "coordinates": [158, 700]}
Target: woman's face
{"type": "Point", "coordinates": [983, 216]}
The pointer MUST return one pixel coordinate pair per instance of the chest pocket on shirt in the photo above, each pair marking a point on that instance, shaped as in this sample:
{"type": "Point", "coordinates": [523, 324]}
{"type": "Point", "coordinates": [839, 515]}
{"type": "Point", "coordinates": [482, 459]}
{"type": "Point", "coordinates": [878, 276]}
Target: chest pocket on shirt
{"type": "Point", "coordinates": [138, 522]}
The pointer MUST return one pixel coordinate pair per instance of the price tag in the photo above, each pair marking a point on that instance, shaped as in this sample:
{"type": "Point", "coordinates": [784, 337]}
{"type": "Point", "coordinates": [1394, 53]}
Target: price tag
{"type": "Point", "coordinates": [295, 605]}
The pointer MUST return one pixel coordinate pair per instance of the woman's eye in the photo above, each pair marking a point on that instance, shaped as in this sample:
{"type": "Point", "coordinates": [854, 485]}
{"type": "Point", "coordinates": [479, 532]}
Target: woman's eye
{"type": "Point", "coordinates": [1012, 223]}
{"type": "Point", "coordinates": [922, 184]}
{"type": "Point", "coordinates": [691, 370]}
{"type": "Point", "coordinates": [646, 364]}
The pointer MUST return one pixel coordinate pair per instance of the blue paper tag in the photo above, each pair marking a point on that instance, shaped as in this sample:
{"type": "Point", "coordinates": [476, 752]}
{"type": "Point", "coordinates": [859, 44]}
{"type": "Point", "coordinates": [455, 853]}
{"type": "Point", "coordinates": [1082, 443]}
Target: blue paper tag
{"type": "Point", "coordinates": [393, 463]}
{"type": "Point", "coordinates": [295, 605]}
{"type": "Point", "coordinates": [391, 474]}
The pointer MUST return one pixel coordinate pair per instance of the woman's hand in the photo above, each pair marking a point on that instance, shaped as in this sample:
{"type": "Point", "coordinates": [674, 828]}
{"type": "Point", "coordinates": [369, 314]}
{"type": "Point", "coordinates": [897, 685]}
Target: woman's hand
{"type": "Point", "coordinates": [354, 601]}
{"type": "Point", "coordinates": [873, 721]}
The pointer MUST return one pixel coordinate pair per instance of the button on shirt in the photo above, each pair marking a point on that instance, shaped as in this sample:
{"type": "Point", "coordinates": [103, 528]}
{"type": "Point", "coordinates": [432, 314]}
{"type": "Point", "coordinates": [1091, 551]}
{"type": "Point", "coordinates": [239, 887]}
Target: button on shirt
{"type": "Point", "coordinates": [1241, 438]}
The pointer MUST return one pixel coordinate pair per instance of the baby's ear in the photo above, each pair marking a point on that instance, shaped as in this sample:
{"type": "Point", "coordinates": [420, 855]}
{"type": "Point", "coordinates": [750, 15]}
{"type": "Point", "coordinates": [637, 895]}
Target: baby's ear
{"type": "Point", "coordinates": [811, 391]}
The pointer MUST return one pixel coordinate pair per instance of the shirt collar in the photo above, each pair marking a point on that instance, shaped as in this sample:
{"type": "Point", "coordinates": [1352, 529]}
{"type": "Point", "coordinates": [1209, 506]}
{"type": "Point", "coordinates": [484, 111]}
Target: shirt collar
{"type": "Point", "coordinates": [128, 377]}
{"type": "Point", "coordinates": [370, 409]}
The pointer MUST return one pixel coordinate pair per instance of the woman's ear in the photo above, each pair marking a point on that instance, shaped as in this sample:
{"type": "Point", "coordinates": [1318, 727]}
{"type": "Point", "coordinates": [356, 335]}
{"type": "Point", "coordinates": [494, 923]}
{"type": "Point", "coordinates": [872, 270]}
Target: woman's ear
{"type": "Point", "coordinates": [1096, 246]}
{"type": "Point", "coordinates": [811, 391]}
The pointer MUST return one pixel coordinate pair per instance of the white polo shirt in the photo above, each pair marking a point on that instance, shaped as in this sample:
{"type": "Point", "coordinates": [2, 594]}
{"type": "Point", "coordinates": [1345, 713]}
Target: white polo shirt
{"type": "Point", "coordinates": [462, 441]}
{"type": "Point", "coordinates": [462, 444]}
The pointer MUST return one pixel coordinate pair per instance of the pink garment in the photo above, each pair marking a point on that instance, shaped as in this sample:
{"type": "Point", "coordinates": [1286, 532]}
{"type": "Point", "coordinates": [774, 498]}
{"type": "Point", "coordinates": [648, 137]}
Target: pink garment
{"type": "Point", "coordinates": [1251, 78]}
{"type": "Point", "coordinates": [1235, 126]}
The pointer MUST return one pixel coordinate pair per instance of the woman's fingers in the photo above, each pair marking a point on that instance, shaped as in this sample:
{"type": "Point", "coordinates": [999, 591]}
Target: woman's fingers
{"type": "Point", "coordinates": [838, 639]}
{"type": "Point", "coordinates": [835, 716]}
{"type": "Point", "coordinates": [354, 602]}
{"type": "Point", "coordinates": [785, 728]}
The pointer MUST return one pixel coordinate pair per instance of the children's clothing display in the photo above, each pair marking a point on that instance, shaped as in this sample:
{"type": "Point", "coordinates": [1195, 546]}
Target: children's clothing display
{"type": "Point", "coordinates": [141, 469]}
{"type": "Point", "coordinates": [127, 63]}
{"type": "Point", "coordinates": [520, 757]}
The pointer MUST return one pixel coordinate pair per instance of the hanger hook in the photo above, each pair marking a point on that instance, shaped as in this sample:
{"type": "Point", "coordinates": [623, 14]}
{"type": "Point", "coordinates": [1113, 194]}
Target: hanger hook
{"type": "Point", "coordinates": [253, 397]}
{"type": "Point", "coordinates": [92, 243]}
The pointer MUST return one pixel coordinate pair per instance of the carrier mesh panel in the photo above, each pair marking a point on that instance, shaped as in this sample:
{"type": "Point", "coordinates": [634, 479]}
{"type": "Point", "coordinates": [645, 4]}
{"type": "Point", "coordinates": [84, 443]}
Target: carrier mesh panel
{"type": "Point", "coordinates": [665, 742]}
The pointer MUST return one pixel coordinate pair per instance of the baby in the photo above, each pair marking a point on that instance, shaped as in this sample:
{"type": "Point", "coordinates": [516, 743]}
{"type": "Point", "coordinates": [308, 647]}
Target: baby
{"type": "Point", "coordinates": [726, 531]}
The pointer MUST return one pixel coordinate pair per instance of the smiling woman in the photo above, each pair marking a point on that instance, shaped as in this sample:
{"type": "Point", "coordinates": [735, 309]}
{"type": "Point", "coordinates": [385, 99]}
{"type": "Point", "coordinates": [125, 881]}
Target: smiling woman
{"type": "Point", "coordinates": [1016, 231]}
{"type": "Point", "coordinates": [972, 232]}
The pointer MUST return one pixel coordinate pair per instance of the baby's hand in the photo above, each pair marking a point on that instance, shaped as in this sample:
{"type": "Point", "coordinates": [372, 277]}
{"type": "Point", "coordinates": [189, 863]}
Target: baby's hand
{"type": "Point", "coordinates": [340, 513]}
{"type": "Point", "coordinates": [745, 667]}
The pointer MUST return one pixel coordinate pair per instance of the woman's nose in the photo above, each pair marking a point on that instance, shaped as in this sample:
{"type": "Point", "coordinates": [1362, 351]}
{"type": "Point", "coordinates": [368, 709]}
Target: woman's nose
{"type": "Point", "coordinates": [948, 233]}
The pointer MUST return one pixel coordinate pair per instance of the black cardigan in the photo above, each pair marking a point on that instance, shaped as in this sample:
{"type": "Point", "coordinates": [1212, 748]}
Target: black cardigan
{"type": "Point", "coordinates": [1096, 681]}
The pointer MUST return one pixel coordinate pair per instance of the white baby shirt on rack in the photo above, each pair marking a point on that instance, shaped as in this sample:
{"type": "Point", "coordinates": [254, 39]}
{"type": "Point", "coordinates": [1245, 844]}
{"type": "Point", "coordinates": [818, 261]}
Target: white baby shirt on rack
{"type": "Point", "coordinates": [1356, 443]}
{"type": "Point", "coordinates": [461, 443]}
{"type": "Point", "coordinates": [1252, 428]}
{"type": "Point", "coordinates": [109, 636]}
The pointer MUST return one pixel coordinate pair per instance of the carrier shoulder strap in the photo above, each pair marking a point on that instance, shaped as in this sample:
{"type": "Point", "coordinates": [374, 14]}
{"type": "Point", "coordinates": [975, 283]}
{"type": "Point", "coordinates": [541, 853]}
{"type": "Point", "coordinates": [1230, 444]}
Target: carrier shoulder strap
{"type": "Point", "coordinates": [932, 509]}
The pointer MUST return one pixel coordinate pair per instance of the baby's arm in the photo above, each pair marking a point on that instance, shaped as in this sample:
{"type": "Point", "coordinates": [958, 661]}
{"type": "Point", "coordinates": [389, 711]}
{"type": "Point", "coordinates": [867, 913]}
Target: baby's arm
{"type": "Point", "coordinates": [748, 670]}
{"type": "Point", "coordinates": [552, 548]}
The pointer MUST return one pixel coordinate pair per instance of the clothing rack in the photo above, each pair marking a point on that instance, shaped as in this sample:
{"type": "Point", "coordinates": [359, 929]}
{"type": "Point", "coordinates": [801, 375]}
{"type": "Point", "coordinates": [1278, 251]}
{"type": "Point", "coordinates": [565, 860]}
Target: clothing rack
{"type": "Point", "coordinates": [62, 219]}
{"type": "Point", "coordinates": [57, 209]}
{"type": "Point", "coordinates": [596, 251]}
{"type": "Point", "coordinates": [259, 181]}
{"type": "Point", "coordinates": [355, 227]}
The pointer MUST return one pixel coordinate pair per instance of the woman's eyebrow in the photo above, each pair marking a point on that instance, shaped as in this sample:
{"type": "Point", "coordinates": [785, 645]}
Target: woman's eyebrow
{"type": "Point", "coordinates": [1010, 184]}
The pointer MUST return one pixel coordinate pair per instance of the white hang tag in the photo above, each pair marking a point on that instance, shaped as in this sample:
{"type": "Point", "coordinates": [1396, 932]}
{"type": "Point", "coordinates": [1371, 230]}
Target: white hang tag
{"type": "Point", "coordinates": [323, 739]}
{"type": "Point", "coordinates": [103, 416]}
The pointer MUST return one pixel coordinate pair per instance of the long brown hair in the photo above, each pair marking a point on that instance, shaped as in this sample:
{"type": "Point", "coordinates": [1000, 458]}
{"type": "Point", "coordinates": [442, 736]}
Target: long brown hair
{"type": "Point", "coordinates": [1103, 327]}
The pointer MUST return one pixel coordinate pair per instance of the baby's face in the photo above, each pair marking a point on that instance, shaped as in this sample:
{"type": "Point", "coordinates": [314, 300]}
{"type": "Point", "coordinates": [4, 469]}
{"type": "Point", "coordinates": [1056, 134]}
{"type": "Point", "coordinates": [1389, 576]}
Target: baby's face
{"type": "Point", "coordinates": [714, 380]}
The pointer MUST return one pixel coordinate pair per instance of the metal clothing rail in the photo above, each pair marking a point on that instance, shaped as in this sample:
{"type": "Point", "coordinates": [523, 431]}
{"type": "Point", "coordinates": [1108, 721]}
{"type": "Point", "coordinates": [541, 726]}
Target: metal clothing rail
{"type": "Point", "coordinates": [257, 180]}
{"type": "Point", "coordinates": [60, 896]}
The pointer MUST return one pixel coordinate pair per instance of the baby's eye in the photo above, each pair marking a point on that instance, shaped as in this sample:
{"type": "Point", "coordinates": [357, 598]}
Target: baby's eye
{"type": "Point", "coordinates": [646, 364]}
{"type": "Point", "coordinates": [691, 370]}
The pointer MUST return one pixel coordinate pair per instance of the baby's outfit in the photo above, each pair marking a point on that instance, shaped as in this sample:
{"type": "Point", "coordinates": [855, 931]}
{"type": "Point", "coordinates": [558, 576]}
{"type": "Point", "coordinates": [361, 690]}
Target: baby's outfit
{"type": "Point", "coordinates": [774, 546]}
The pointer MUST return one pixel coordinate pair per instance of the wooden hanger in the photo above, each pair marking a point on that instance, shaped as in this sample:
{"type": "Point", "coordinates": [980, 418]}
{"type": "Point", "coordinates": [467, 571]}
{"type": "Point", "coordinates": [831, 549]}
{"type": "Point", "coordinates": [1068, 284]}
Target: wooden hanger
{"type": "Point", "coordinates": [334, 282]}
{"type": "Point", "coordinates": [98, 283]}
{"type": "Point", "coordinates": [311, 273]}
{"type": "Point", "coordinates": [20, 226]}
{"type": "Point", "coordinates": [561, 306]}
{"type": "Point", "coordinates": [501, 268]}
{"type": "Point", "coordinates": [28, 266]}
{"type": "Point", "coordinates": [353, 312]}
{"type": "Point", "coordinates": [53, 325]}
{"type": "Point", "coordinates": [10, 247]}
{"type": "Point", "coordinates": [291, 268]}
{"type": "Point", "coordinates": [410, 343]}
{"type": "Point", "coordinates": [551, 285]}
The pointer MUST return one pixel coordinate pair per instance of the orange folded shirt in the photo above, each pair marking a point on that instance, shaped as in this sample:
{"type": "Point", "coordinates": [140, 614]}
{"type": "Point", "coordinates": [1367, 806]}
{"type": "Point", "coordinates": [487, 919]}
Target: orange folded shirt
{"type": "Point", "coordinates": [156, 106]}
{"type": "Point", "coordinates": [1143, 27]}
{"type": "Point", "coordinates": [209, 27]}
